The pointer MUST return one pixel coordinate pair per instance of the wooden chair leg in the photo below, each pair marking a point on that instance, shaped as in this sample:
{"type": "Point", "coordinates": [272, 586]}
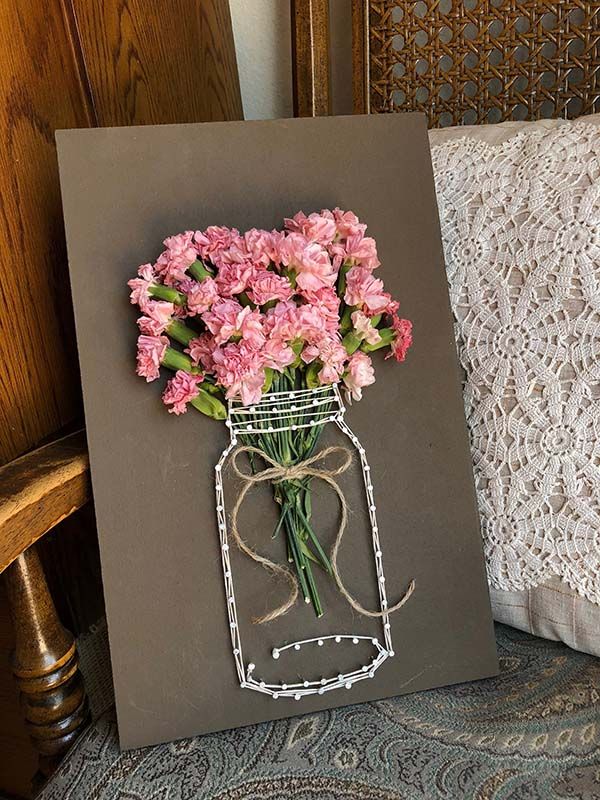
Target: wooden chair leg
{"type": "Point", "coordinates": [45, 662]}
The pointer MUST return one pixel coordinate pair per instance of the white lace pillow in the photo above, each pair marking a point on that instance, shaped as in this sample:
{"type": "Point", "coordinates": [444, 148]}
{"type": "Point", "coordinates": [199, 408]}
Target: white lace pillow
{"type": "Point", "coordinates": [520, 212]}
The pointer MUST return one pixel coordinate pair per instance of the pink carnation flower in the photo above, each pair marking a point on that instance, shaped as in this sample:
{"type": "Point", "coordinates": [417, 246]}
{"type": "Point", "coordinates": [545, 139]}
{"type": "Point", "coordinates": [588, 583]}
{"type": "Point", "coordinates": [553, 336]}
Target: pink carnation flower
{"type": "Point", "coordinates": [174, 261]}
{"type": "Point", "coordinates": [236, 253]}
{"type": "Point", "coordinates": [262, 246]}
{"type": "Point", "coordinates": [309, 260]}
{"type": "Point", "coordinates": [278, 355]}
{"type": "Point", "coordinates": [357, 251]}
{"type": "Point", "coordinates": [212, 242]}
{"type": "Point", "coordinates": [234, 279]}
{"type": "Point", "coordinates": [150, 353]}
{"type": "Point", "coordinates": [332, 355]}
{"type": "Point", "coordinates": [363, 328]}
{"type": "Point", "coordinates": [320, 228]}
{"type": "Point", "coordinates": [240, 369]}
{"type": "Point", "coordinates": [150, 327]}
{"type": "Point", "coordinates": [287, 322]}
{"type": "Point", "coordinates": [326, 304]}
{"type": "Point", "coordinates": [180, 389]}
{"type": "Point", "coordinates": [139, 286]}
{"type": "Point", "coordinates": [201, 295]}
{"type": "Point", "coordinates": [228, 318]}
{"type": "Point", "coordinates": [362, 250]}
{"type": "Point", "coordinates": [360, 373]}
{"type": "Point", "coordinates": [201, 349]}
{"type": "Point", "coordinates": [267, 286]}
{"type": "Point", "coordinates": [159, 314]}
{"type": "Point", "coordinates": [347, 223]}
{"type": "Point", "coordinates": [403, 340]}
{"type": "Point", "coordinates": [366, 292]}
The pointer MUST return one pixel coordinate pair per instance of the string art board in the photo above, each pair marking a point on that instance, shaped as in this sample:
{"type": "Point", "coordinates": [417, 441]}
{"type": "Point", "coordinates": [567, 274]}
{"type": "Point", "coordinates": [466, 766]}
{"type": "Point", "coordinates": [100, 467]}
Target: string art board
{"type": "Point", "coordinates": [182, 596]}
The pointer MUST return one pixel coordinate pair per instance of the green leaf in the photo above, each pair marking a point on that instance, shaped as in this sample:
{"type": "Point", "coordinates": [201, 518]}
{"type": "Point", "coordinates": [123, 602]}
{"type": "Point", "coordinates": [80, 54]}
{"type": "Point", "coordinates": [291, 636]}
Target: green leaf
{"type": "Point", "coordinates": [297, 346]}
{"type": "Point", "coordinates": [351, 342]}
{"type": "Point", "coordinates": [346, 321]}
{"type": "Point", "coordinates": [168, 294]}
{"type": "Point", "coordinates": [269, 375]}
{"type": "Point", "coordinates": [199, 271]}
{"type": "Point", "coordinates": [312, 375]}
{"type": "Point", "coordinates": [180, 332]}
{"type": "Point", "coordinates": [290, 275]}
{"type": "Point", "coordinates": [209, 405]}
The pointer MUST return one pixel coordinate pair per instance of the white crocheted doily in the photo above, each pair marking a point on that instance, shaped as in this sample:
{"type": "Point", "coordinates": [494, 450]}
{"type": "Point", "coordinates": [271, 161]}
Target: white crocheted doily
{"type": "Point", "coordinates": [521, 231]}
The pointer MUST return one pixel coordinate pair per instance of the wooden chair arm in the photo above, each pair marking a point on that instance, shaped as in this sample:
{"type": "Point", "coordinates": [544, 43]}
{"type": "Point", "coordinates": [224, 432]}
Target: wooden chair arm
{"type": "Point", "coordinates": [39, 490]}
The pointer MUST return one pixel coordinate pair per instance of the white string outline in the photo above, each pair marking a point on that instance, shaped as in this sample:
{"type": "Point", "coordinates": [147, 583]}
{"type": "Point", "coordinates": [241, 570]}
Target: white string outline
{"type": "Point", "coordinates": [313, 402]}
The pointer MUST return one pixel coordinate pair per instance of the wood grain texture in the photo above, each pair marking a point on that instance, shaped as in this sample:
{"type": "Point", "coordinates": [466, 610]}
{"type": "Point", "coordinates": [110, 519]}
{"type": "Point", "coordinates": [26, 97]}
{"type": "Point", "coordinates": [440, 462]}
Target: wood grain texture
{"type": "Point", "coordinates": [159, 61]}
{"type": "Point", "coordinates": [311, 58]}
{"type": "Point", "coordinates": [45, 662]}
{"type": "Point", "coordinates": [360, 57]}
{"type": "Point", "coordinates": [40, 489]}
{"type": "Point", "coordinates": [40, 90]}
{"type": "Point", "coordinates": [81, 63]}
{"type": "Point", "coordinates": [19, 760]}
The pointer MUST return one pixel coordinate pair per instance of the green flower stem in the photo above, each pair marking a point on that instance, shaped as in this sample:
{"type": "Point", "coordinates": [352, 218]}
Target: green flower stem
{"type": "Point", "coordinates": [175, 360]}
{"type": "Point", "coordinates": [298, 560]}
{"type": "Point", "coordinates": [168, 294]}
{"type": "Point", "coordinates": [387, 337]}
{"type": "Point", "coordinates": [317, 545]}
{"type": "Point", "coordinates": [209, 405]}
{"type": "Point", "coordinates": [198, 271]}
{"type": "Point", "coordinates": [314, 595]}
{"type": "Point", "coordinates": [245, 300]}
{"type": "Point", "coordinates": [341, 281]}
{"type": "Point", "coordinates": [293, 496]}
{"type": "Point", "coordinates": [180, 332]}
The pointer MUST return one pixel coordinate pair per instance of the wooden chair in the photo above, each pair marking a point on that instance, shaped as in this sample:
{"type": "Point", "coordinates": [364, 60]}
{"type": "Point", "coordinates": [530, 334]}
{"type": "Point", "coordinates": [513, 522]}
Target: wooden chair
{"type": "Point", "coordinates": [37, 491]}
{"type": "Point", "coordinates": [458, 61]}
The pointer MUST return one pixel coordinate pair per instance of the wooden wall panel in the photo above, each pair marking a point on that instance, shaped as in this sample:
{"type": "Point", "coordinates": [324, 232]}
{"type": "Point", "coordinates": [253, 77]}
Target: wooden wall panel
{"type": "Point", "coordinates": [64, 64]}
{"type": "Point", "coordinates": [81, 63]}
{"type": "Point", "coordinates": [159, 61]}
{"type": "Point", "coordinates": [40, 90]}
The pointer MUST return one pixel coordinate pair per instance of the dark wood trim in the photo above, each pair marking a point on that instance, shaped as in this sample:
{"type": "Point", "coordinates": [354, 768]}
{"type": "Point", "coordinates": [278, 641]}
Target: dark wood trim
{"type": "Point", "coordinates": [360, 57]}
{"type": "Point", "coordinates": [39, 490]}
{"type": "Point", "coordinates": [310, 58]}
{"type": "Point", "coordinates": [45, 662]}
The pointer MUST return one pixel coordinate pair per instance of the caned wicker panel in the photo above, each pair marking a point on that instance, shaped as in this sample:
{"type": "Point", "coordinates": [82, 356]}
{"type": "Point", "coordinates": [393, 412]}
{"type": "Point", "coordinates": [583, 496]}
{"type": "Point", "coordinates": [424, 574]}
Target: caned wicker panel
{"type": "Point", "coordinates": [476, 61]}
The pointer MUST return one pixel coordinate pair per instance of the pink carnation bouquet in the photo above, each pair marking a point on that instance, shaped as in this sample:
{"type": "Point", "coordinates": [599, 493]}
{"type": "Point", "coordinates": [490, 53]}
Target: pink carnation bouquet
{"type": "Point", "coordinates": [235, 316]}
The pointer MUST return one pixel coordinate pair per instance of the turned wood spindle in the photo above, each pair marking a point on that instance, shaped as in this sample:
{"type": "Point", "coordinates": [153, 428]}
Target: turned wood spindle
{"type": "Point", "coordinates": [45, 662]}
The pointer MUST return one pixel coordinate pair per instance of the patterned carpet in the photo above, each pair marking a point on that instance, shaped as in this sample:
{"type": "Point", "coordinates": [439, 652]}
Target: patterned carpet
{"type": "Point", "coordinates": [533, 733]}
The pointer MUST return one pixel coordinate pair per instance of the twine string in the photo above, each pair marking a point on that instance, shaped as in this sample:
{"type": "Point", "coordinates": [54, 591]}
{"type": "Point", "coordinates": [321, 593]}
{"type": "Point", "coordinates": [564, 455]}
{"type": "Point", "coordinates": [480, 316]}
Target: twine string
{"type": "Point", "coordinates": [276, 473]}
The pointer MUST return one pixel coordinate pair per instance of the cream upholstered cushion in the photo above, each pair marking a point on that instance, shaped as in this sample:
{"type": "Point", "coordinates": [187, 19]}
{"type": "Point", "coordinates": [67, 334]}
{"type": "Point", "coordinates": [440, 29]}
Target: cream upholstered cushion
{"type": "Point", "coordinates": [520, 214]}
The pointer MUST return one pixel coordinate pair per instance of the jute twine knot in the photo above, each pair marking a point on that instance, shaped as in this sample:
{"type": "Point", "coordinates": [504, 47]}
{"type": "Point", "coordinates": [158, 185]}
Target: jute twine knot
{"type": "Point", "coordinates": [276, 473]}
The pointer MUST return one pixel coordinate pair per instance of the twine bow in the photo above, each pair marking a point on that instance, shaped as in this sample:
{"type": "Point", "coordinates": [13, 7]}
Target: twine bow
{"type": "Point", "coordinates": [304, 469]}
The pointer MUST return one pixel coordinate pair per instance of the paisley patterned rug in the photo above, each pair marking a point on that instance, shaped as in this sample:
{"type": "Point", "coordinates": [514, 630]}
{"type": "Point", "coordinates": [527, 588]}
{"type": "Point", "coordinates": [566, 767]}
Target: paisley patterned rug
{"type": "Point", "coordinates": [532, 733]}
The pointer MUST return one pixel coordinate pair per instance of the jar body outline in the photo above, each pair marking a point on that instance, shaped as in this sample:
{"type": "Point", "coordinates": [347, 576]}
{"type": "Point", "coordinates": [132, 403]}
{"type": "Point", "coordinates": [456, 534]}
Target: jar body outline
{"type": "Point", "coordinates": [383, 649]}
